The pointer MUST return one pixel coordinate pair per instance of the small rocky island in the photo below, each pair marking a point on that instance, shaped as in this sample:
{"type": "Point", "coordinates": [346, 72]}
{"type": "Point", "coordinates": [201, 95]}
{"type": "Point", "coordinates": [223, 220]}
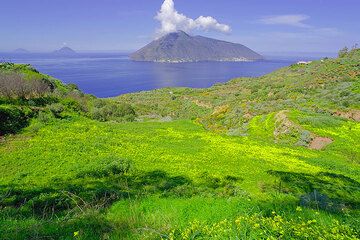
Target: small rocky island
{"type": "Point", "coordinates": [21, 51]}
{"type": "Point", "coordinates": [181, 47]}
{"type": "Point", "coordinates": [65, 51]}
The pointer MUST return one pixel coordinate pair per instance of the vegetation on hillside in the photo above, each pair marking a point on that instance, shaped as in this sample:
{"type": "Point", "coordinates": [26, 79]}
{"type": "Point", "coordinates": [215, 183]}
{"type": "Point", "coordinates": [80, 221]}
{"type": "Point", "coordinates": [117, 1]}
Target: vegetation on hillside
{"type": "Point", "coordinates": [280, 160]}
{"type": "Point", "coordinates": [25, 93]}
{"type": "Point", "coordinates": [328, 86]}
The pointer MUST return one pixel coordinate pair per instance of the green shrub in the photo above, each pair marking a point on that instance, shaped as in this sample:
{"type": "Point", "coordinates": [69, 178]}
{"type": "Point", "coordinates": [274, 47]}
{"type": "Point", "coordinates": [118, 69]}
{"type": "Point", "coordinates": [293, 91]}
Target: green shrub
{"type": "Point", "coordinates": [44, 117]}
{"type": "Point", "coordinates": [109, 111]}
{"type": "Point", "coordinates": [13, 119]}
{"type": "Point", "coordinates": [72, 87]}
{"type": "Point", "coordinates": [305, 138]}
{"type": "Point", "coordinates": [41, 102]}
{"type": "Point", "coordinates": [57, 109]}
{"type": "Point", "coordinates": [72, 105]}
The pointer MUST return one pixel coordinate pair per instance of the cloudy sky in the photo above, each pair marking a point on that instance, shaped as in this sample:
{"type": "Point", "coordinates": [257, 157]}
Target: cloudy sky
{"type": "Point", "coordinates": [125, 25]}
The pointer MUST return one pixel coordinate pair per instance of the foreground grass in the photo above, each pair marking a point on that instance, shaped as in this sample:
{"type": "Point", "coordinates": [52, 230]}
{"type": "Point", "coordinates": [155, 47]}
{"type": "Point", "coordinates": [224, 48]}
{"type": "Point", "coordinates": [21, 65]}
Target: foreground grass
{"type": "Point", "coordinates": [178, 148]}
{"type": "Point", "coordinates": [223, 218]}
{"type": "Point", "coordinates": [175, 180]}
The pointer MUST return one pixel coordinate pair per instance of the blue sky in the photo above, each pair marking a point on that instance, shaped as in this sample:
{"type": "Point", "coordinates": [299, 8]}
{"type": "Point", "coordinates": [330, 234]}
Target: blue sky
{"type": "Point", "coordinates": [125, 25]}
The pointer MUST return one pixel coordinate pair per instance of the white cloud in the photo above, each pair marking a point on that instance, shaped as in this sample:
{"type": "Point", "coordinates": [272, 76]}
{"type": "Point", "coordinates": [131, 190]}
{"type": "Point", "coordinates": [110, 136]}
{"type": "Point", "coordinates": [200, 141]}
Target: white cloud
{"type": "Point", "coordinates": [171, 21]}
{"type": "Point", "coordinates": [296, 20]}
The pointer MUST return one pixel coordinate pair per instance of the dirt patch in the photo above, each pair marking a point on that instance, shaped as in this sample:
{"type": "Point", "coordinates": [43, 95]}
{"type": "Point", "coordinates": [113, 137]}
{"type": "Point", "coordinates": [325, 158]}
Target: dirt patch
{"type": "Point", "coordinates": [248, 116]}
{"type": "Point", "coordinates": [283, 125]}
{"type": "Point", "coordinates": [294, 133]}
{"type": "Point", "coordinates": [199, 103]}
{"type": "Point", "coordinates": [202, 104]}
{"type": "Point", "coordinates": [352, 115]}
{"type": "Point", "coordinates": [319, 143]}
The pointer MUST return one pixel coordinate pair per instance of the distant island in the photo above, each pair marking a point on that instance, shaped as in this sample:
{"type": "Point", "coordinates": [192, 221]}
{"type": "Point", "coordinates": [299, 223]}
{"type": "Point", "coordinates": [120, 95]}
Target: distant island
{"type": "Point", "coordinates": [65, 51]}
{"type": "Point", "coordinates": [181, 47]}
{"type": "Point", "coordinates": [21, 50]}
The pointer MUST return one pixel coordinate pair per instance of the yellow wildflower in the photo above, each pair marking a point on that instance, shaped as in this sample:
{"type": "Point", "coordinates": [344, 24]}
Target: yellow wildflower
{"type": "Point", "coordinates": [76, 234]}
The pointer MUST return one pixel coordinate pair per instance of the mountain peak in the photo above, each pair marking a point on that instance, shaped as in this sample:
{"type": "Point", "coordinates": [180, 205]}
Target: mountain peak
{"type": "Point", "coordinates": [65, 50]}
{"type": "Point", "coordinates": [182, 47]}
{"type": "Point", "coordinates": [181, 32]}
{"type": "Point", "coordinates": [176, 35]}
{"type": "Point", "coordinates": [178, 32]}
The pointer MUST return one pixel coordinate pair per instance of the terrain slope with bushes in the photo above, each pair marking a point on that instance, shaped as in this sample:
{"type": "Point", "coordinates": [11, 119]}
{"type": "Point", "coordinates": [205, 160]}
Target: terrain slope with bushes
{"type": "Point", "coordinates": [274, 157]}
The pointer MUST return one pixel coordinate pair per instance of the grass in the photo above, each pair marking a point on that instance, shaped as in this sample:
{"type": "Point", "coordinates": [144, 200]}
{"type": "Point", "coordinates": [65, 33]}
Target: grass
{"type": "Point", "coordinates": [179, 147]}
{"type": "Point", "coordinates": [70, 175]}
{"type": "Point", "coordinates": [181, 163]}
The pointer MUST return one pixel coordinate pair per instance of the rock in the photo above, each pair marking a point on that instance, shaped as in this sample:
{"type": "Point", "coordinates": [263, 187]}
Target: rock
{"type": "Point", "coordinates": [319, 143]}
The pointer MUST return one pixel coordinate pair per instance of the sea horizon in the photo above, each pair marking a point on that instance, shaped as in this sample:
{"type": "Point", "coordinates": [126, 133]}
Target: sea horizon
{"type": "Point", "coordinates": [112, 74]}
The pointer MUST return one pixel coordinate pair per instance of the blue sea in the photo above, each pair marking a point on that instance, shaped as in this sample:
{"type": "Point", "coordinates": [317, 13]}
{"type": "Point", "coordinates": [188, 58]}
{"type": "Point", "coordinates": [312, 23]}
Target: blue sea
{"type": "Point", "coordinates": [112, 74]}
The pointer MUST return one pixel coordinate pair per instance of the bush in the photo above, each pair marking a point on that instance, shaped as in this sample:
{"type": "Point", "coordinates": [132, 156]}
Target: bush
{"type": "Point", "coordinates": [72, 87]}
{"type": "Point", "coordinates": [109, 111]}
{"type": "Point", "coordinates": [71, 104]}
{"type": "Point", "coordinates": [56, 109]}
{"type": "Point", "coordinates": [305, 138]}
{"type": "Point", "coordinates": [44, 117]}
{"type": "Point", "coordinates": [13, 119]}
{"type": "Point", "coordinates": [14, 85]}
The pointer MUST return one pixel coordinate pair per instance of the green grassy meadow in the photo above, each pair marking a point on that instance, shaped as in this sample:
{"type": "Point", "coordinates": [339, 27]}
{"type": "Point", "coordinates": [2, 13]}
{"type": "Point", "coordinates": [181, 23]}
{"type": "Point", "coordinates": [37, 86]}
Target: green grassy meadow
{"type": "Point", "coordinates": [230, 162]}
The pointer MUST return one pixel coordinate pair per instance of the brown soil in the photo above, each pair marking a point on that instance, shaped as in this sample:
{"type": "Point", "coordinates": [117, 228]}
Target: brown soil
{"type": "Point", "coordinates": [352, 115]}
{"type": "Point", "coordinates": [283, 124]}
{"type": "Point", "coordinates": [319, 143]}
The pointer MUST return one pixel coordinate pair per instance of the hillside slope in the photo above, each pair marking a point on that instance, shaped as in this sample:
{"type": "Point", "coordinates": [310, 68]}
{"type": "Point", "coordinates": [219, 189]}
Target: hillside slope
{"type": "Point", "coordinates": [271, 157]}
{"type": "Point", "coordinates": [329, 86]}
